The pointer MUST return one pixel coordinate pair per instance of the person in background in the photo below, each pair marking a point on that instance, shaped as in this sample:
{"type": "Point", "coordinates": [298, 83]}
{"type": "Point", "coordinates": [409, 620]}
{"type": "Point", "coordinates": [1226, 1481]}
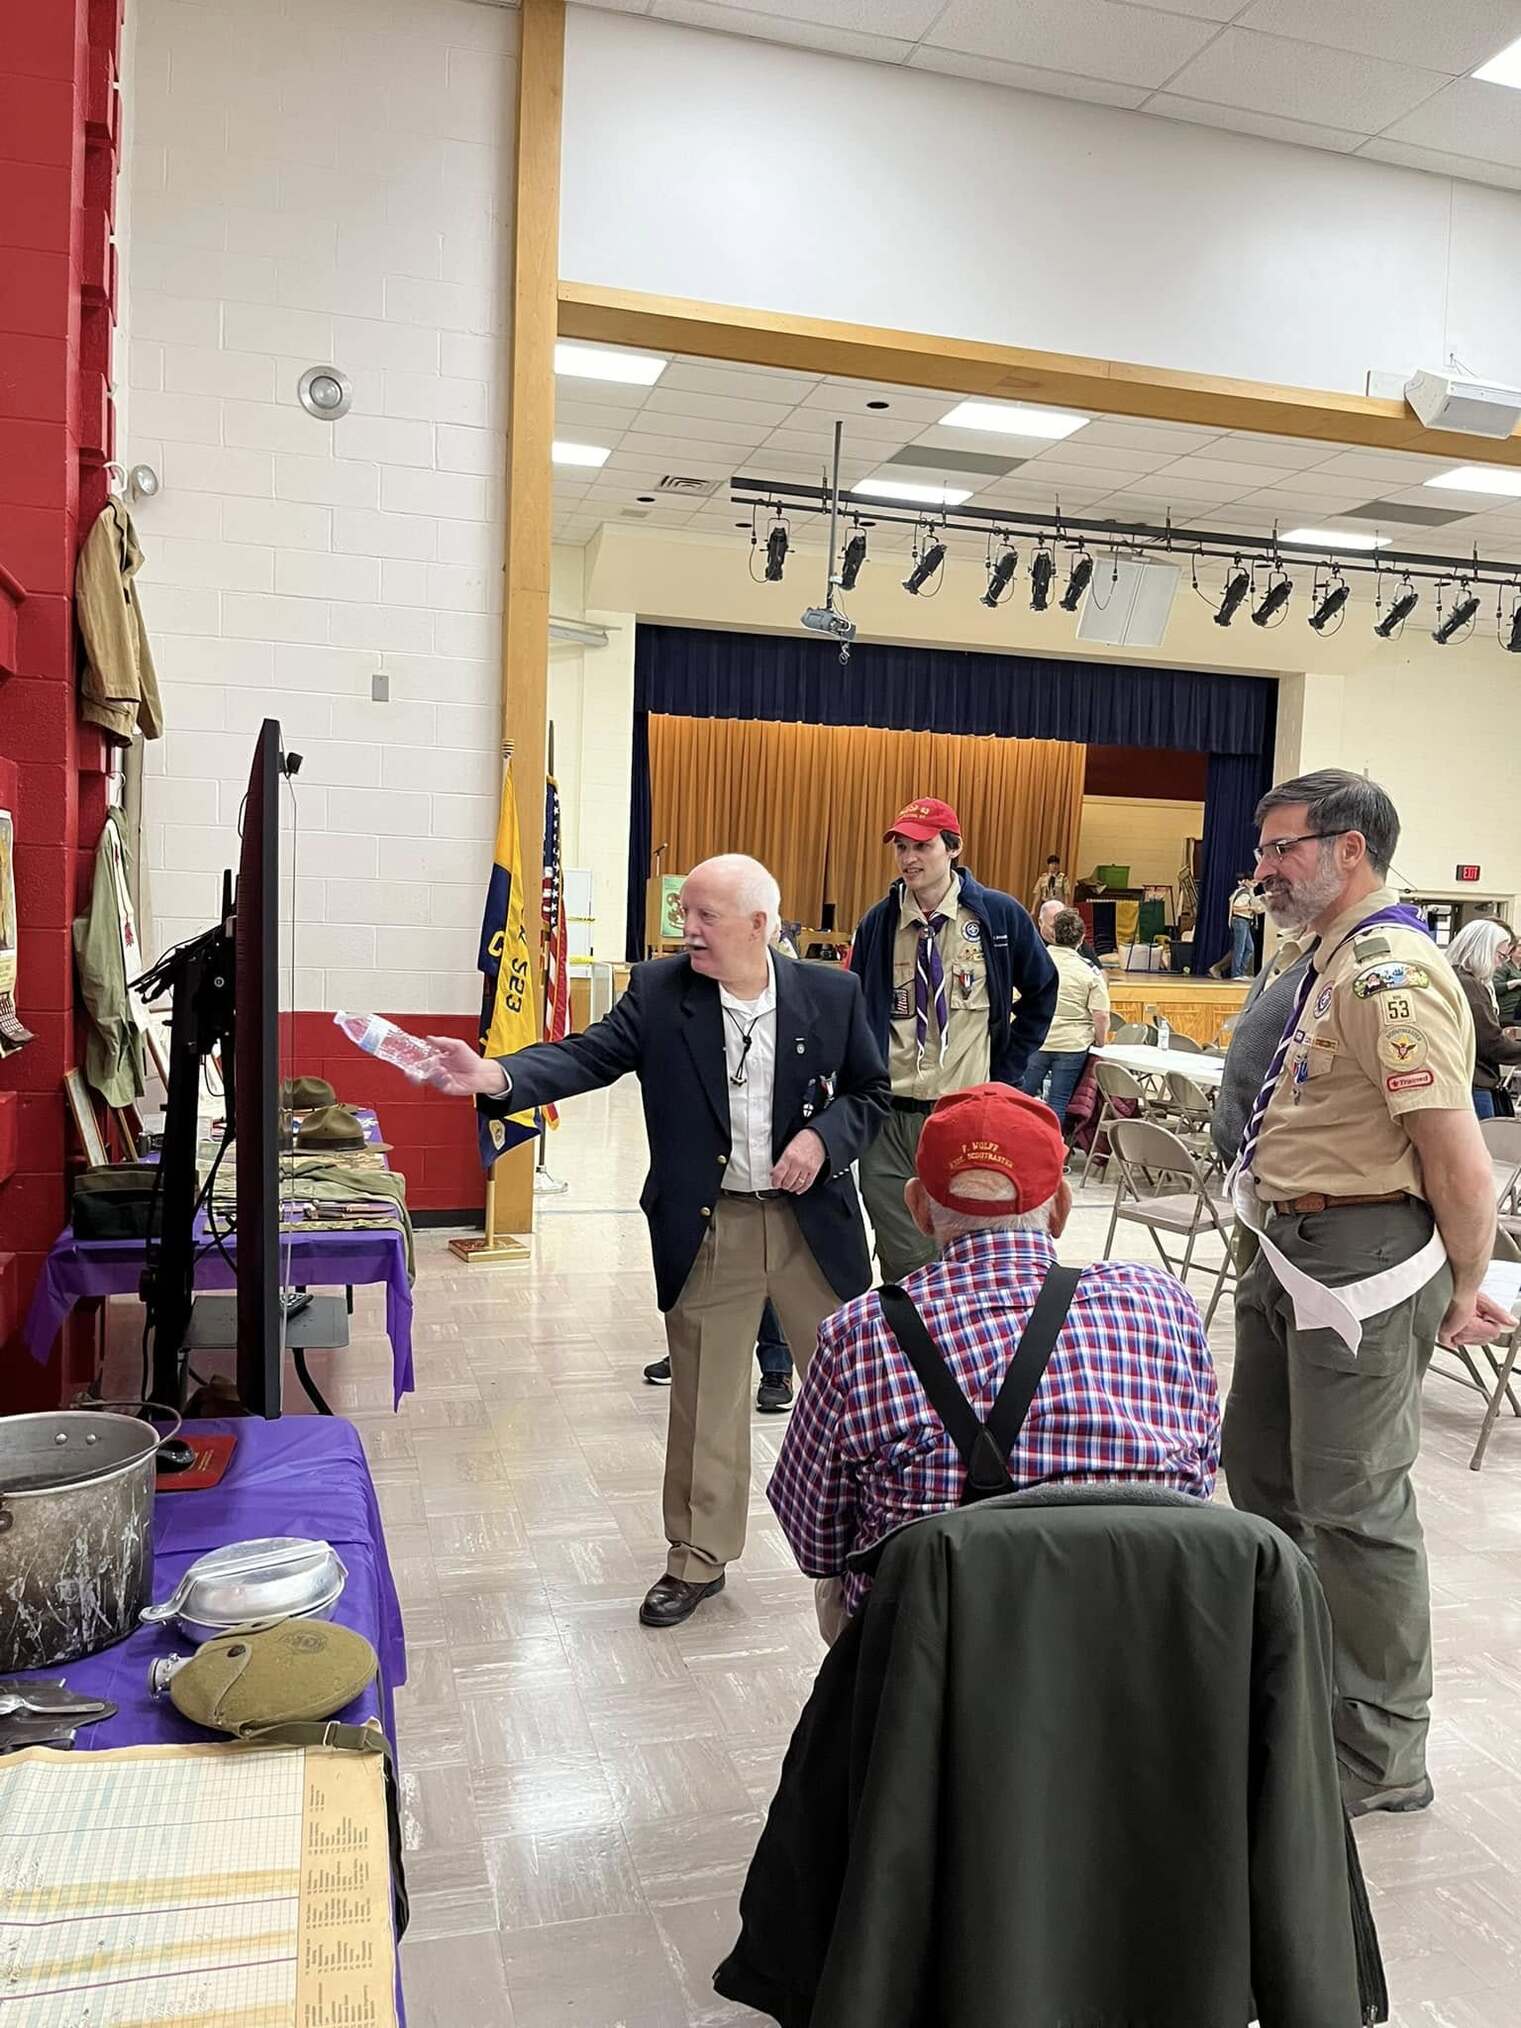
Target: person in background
{"type": "Point", "coordinates": [1080, 1023]}
{"type": "Point", "coordinates": [1129, 1394]}
{"type": "Point", "coordinates": [942, 961]}
{"type": "Point", "coordinates": [1476, 954]}
{"type": "Point", "coordinates": [1053, 885]}
{"type": "Point", "coordinates": [762, 1084]}
{"type": "Point", "coordinates": [1507, 985]}
{"type": "Point", "coordinates": [1367, 1183]}
{"type": "Point", "coordinates": [1245, 907]}
{"type": "Point", "coordinates": [1046, 923]}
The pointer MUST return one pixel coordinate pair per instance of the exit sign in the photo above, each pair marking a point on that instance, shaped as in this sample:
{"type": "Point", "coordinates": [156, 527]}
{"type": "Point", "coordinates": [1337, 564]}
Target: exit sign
{"type": "Point", "coordinates": [1467, 873]}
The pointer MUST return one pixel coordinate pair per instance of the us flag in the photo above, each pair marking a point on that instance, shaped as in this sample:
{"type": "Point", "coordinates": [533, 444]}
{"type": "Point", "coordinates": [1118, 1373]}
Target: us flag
{"type": "Point", "coordinates": [556, 975]}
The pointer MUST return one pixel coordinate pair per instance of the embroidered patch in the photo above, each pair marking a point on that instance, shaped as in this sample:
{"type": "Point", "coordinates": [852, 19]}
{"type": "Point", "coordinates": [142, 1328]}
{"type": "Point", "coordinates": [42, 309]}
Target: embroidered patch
{"type": "Point", "coordinates": [1402, 1048]}
{"type": "Point", "coordinates": [1387, 978]}
{"type": "Point", "coordinates": [1410, 1080]}
{"type": "Point", "coordinates": [1395, 1007]}
{"type": "Point", "coordinates": [1323, 1002]}
{"type": "Point", "coordinates": [972, 931]}
{"type": "Point", "coordinates": [966, 980]}
{"type": "Point", "coordinates": [1325, 1042]}
{"type": "Point", "coordinates": [903, 1002]}
{"type": "Point", "coordinates": [1370, 947]}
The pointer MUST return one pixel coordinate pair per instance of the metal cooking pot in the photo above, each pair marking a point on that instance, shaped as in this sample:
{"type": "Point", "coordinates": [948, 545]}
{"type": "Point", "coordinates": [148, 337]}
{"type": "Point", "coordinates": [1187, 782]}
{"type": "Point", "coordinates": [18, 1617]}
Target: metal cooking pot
{"type": "Point", "coordinates": [76, 1538]}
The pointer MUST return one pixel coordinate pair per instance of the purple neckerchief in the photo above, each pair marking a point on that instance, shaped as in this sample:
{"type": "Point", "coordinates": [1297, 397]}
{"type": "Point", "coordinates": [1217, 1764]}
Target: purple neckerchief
{"type": "Point", "coordinates": [1398, 912]}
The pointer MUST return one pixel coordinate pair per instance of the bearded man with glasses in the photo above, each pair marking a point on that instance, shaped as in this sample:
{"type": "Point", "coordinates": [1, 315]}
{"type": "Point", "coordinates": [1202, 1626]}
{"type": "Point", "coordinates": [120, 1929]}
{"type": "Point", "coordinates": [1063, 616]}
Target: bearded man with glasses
{"type": "Point", "coordinates": [1363, 1174]}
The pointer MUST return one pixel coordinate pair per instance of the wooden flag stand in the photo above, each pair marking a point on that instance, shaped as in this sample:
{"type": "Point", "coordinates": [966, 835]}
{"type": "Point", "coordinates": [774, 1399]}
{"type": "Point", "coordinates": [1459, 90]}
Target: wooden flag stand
{"type": "Point", "coordinates": [492, 1248]}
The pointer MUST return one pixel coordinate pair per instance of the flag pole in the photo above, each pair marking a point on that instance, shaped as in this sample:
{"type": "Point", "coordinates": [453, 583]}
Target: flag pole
{"type": "Point", "coordinates": [490, 1250]}
{"type": "Point", "coordinates": [545, 1184]}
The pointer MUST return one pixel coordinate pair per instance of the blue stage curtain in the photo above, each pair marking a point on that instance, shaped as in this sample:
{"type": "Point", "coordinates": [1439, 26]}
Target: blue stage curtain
{"type": "Point", "coordinates": [692, 673]}
{"type": "Point", "coordinates": [1235, 784]}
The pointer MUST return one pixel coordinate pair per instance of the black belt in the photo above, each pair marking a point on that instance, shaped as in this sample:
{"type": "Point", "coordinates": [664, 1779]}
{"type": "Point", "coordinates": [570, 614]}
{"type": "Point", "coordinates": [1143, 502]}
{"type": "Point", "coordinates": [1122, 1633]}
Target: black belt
{"type": "Point", "coordinates": [907, 1105]}
{"type": "Point", "coordinates": [756, 1196]}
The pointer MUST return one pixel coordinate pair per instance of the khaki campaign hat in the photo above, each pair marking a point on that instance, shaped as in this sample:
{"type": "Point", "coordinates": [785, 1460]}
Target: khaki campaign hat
{"type": "Point", "coordinates": [334, 1130]}
{"type": "Point", "coordinates": [300, 1094]}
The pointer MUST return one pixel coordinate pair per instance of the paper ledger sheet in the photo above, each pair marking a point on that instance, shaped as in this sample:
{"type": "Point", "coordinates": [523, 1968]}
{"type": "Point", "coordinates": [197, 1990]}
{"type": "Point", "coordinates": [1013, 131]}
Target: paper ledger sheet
{"type": "Point", "coordinates": [178, 1885]}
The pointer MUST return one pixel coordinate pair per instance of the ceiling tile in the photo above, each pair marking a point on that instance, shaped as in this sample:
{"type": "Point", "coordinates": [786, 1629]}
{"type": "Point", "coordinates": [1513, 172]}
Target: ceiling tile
{"type": "Point", "coordinates": [734, 383]}
{"type": "Point", "coordinates": [1287, 499]}
{"type": "Point", "coordinates": [905, 20]}
{"type": "Point", "coordinates": [1469, 118]}
{"type": "Point", "coordinates": [704, 430]}
{"type": "Point", "coordinates": [722, 408]}
{"type": "Point", "coordinates": [1096, 38]}
{"type": "Point", "coordinates": [801, 34]}
{"type": "Point", "coordinates": [1329, 87]}
{"type": "Point", "coordinates": [1270, 126]}
{"type": "Point", "coordinates": [1082, 450]}
{"type": "Point", "coordinates": [1216, 468]}
{"type": "Point", "coordinates": [1280, 453]}
{"type": "Point", "coordinates": [1327, 487]}
{"type": "Point", "coordinates": [1025, 77]}
{"type": "Point", "coordinates": [849, 397]}
{"type": "Point", "coordinates": [586, 415]}
{"type": "Point", "coordinates": [1384, 468]}
{"type": "Point", "coordinates": [1164, 440]}
{"type": "Point", "coordinates": [1451, 38]}
{"type": "Point", "coordinates": [1437, 162]}
{"type": "Point", "coordinates": [1218, 11]}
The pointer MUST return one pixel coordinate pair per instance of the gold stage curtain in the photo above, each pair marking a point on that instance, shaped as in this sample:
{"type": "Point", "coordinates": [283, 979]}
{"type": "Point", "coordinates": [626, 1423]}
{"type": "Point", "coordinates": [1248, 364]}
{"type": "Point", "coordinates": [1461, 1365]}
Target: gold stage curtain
{"type": "Point", "coordinates": [812, 802]}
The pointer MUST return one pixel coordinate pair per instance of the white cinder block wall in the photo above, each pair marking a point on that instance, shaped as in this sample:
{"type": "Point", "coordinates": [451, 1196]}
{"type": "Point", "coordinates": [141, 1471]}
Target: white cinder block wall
{"type": "Point", "coordinates": [326, 182]}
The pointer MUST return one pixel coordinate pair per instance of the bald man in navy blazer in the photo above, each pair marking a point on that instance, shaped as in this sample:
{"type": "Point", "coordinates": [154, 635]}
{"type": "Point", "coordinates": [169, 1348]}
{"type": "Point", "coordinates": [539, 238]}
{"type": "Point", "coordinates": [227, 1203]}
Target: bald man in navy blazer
{"type": "Point", "coordinates": [762, 1083]}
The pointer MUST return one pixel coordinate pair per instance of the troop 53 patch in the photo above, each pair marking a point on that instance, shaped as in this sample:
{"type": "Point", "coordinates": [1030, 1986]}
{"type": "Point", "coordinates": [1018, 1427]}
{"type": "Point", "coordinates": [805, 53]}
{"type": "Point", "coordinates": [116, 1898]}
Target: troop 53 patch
{"type": "Point", "coordinates": [1390, 978]}
{"type": "Point", "coordinates": [1402, 1048]}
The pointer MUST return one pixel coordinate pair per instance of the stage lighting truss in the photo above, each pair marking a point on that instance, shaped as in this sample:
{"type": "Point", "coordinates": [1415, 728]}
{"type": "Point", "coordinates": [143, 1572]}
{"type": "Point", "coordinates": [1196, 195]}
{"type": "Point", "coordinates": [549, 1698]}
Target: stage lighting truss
{"type": "Point", "coordinates": [1252, 566]}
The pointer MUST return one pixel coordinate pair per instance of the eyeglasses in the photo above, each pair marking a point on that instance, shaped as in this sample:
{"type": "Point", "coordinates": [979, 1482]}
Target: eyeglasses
{"type": "Point", "coordinates": [1280, 848]}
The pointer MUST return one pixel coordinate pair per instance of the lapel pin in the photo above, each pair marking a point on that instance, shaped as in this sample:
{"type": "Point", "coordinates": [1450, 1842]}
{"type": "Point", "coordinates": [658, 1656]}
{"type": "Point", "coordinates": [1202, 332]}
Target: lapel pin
{"type": "Point", "coordinates": [799, 1045]}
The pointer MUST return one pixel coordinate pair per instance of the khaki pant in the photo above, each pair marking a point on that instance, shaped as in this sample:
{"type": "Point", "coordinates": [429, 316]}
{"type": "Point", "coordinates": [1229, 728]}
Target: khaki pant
{"type": "Point", "coordinates": [886, 1166]}
{"type": "Point", "coordinates": [753, 1250]}
{"type": "Point", "coordinates": [1321, 1442]}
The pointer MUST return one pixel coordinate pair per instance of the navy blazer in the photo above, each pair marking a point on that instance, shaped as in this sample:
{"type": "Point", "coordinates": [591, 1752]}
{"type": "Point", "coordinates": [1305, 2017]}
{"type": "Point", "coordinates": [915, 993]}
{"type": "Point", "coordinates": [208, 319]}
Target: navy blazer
{"type": "Point", "coordinates": [668, 1030]}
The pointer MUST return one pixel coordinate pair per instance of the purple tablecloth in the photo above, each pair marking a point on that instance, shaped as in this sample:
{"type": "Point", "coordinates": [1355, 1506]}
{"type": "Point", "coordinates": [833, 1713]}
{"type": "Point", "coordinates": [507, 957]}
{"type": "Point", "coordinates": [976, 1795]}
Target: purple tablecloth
{"type": "Point", "coordinates": [76, 1269]}
{"type": "Point", "coordinates": [303, 1475]}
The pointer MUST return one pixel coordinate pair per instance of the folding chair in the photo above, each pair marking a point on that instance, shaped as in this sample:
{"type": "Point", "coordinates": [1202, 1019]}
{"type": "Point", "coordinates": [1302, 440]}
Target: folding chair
{"type": "Point", "coordinates": [1503, 1140]}
{"type": "Point", "coordinates": [1185, 1044]}
{"type": "Point", "coordinates": [1115, 1084]}
{"type": "Point", "coordinates": [1132, 1031]}
{"type": "Point", "coordinates": [1500, 1356]}
{"type": "Point", "coordinates": [1192, 1213]}
{"type": "Point", "coordinates": [1193, 1113]}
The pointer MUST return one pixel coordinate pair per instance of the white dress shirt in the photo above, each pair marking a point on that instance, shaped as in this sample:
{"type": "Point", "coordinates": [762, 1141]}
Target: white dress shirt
{"type": "Point", "coordinates": [750, 1159]}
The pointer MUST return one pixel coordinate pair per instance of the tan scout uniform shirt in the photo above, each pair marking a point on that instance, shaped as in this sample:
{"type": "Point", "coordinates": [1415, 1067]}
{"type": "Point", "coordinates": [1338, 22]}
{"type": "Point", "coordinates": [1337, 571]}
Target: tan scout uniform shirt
{"type": "Point", "coordinates": [1386, 1031]}
{"type": "Point", "coordinates": [968, 1047]}
{"type": "Point", "coordinates": [1080, 994]}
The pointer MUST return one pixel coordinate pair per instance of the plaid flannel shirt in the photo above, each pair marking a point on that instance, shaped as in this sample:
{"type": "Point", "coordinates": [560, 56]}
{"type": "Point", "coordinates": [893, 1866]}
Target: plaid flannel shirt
{"type": "Point", "coordinates": [1129, 1394]}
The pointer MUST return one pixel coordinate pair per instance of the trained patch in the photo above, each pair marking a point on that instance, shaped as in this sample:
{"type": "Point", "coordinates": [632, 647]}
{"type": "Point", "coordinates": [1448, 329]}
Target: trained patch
{"type": "Point", "coordinates": [972, 931]}
{"type": "Point", "coordinates": [1323, 1001]}
{"type": "Point", "coordinates": [903, 1002]}
{"type": "Point", "coordinates": [1389, 978]}
{"type": "Point", "coordinates": [1410, 1080]}
{"type": "Point", "coordinates": [1402, 1048]}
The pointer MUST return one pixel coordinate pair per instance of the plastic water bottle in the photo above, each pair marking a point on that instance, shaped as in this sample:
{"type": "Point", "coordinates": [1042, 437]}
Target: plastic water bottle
{"type": "Point", "coordinates": [1164, 1033]}
{"type": "Point", "coordinates": [378, 1037]}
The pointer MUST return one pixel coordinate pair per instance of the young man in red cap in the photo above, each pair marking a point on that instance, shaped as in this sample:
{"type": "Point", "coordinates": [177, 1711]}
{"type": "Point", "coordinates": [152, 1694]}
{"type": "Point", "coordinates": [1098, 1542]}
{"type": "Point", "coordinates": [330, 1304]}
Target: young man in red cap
{"type": "Point", "coordinates": [1128, 1394]}
{"type": "Point", "coordinates": [959, 989]}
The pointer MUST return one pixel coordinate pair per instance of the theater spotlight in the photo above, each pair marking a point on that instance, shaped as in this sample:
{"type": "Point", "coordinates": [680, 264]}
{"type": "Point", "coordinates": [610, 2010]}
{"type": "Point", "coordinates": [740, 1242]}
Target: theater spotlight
{"type": "Point", "coordinates": [1403, 605]}
{"type": "Point", "coordinates": [1237, 585]}
{"type": "Point", "coordinates": [1465, 608]}
{"type": "Point", "coordinates": [1000, 576]}
{"type": "Point", "coordinates": [1042, 570]}
{"type": "Point", "coordinates": [1512, 639]}
{"type": "Point", "coordinates": [925, 565]}
{"type": "Point", "coordinates": [1077, 582]}
{"type": "Point", "coordinates": [855, 556]}
{"type": "Point", "coordinates": [1273, 601]}
{"type": "Point", "coordinates": [776, 552]}
{"type": "Point", "coordinates": [1332, 598]}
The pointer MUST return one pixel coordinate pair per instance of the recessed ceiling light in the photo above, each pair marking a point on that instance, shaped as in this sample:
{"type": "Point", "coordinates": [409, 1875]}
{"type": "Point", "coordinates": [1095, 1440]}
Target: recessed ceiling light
{"type": "Point", "coordinates": [595, 362]}
{"type": "Point", "coordinates": [1005, 419]}
{"type": "Point", "coordinates": [1334, 538]}
{"type": "Point", "coordinates": [645, 499]}
{"type": "Point", "coordinates": [1479, 478]}
{"type": "Point", "coordinates": [879, 404]}
{"type": "Point", "coordinates": [1504, 69]}
{"type": "Point", "coordinates": [578, 454]}
{"type": "Point", "coordinates": [918, 496]}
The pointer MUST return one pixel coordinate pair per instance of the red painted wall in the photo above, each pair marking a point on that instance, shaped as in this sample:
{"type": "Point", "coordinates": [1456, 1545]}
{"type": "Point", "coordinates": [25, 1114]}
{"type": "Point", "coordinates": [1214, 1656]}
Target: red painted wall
{"type": "Point", "coordinates": [432, 1137]}
{"type": "Point", "coordinates": [59, 128]}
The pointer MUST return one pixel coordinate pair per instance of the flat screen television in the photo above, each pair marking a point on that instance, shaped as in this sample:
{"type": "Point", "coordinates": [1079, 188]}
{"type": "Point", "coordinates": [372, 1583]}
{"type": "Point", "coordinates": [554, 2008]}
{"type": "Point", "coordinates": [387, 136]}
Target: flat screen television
{"type": "Point", "coordinates": [255, 1084]}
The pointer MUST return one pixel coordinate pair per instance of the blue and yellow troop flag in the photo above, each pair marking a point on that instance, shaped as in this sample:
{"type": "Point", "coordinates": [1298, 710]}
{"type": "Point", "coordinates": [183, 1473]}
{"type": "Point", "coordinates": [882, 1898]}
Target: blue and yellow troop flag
{"type": "Point", "coordinates": [507, 1011]}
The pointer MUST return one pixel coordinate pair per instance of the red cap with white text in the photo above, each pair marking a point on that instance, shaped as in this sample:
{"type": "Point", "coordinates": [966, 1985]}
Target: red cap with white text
{"type": "Point", "coordinates": [991, 1127]}
{"type": "Point", "coordinates": [923, 820]}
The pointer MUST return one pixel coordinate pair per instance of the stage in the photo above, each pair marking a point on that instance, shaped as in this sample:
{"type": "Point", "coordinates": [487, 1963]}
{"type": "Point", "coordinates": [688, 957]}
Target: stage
{"type": "Point", "coordinates": [1194, 1007]}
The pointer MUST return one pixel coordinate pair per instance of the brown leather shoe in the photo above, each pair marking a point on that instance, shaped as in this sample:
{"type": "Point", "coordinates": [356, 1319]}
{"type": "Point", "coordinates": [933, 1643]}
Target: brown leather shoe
{"type": "Point", "coordinates": [673, 1600]}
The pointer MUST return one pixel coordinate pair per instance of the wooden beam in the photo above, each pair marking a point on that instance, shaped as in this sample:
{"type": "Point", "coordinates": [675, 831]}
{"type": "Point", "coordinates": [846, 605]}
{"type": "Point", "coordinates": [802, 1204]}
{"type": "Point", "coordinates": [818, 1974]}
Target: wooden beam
{"type": "Point", "coordinates": [1007, 373]}
{"type": "Point", "coordinates": [525, 624]}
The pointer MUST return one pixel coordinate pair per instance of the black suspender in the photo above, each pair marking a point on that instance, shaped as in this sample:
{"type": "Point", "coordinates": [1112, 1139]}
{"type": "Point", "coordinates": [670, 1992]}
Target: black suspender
{"type": "Point", "coordinates": [985, 1447]}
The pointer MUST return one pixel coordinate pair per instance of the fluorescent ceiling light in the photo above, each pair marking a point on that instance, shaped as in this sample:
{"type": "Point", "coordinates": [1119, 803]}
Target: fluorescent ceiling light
{"type": "Point", "coordinates": [578, 454]}
{"type": "Point", "coordinates": [1003, 419]}
{"type": "Point", "coordinates": [596, 362]}
{"type": "Point", "coordinates": [1504, 69]}
{"type": "Point", "coordinates": [920, 496]}
{"type": "Point", "coordinates": [1479, 478]}
{"type": "Point", "coordinates": [1334, 538]}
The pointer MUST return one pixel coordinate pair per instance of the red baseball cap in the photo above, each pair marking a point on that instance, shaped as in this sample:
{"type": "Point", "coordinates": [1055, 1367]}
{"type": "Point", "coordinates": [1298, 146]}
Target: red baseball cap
{"type": "Point", "coordinates": [991, 1126]}
{"type": "Point", "coordinates": [924, 819]}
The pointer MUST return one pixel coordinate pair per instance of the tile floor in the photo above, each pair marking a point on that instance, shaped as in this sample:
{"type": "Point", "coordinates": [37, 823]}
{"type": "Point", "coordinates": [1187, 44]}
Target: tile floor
{"type": "Point", "coordinates": [582, 1796]}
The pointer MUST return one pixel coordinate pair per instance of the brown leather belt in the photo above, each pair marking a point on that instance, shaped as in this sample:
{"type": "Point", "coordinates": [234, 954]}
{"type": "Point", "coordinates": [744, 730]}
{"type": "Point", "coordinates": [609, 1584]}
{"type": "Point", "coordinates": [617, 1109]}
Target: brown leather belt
{"type": "Point", "coordinates": [1316, 1200]}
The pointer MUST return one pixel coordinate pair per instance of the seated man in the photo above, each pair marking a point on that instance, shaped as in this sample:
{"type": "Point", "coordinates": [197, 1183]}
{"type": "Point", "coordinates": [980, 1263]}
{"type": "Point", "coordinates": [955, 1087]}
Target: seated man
{"type": "Point", "coordinates": [1129, 1393]}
